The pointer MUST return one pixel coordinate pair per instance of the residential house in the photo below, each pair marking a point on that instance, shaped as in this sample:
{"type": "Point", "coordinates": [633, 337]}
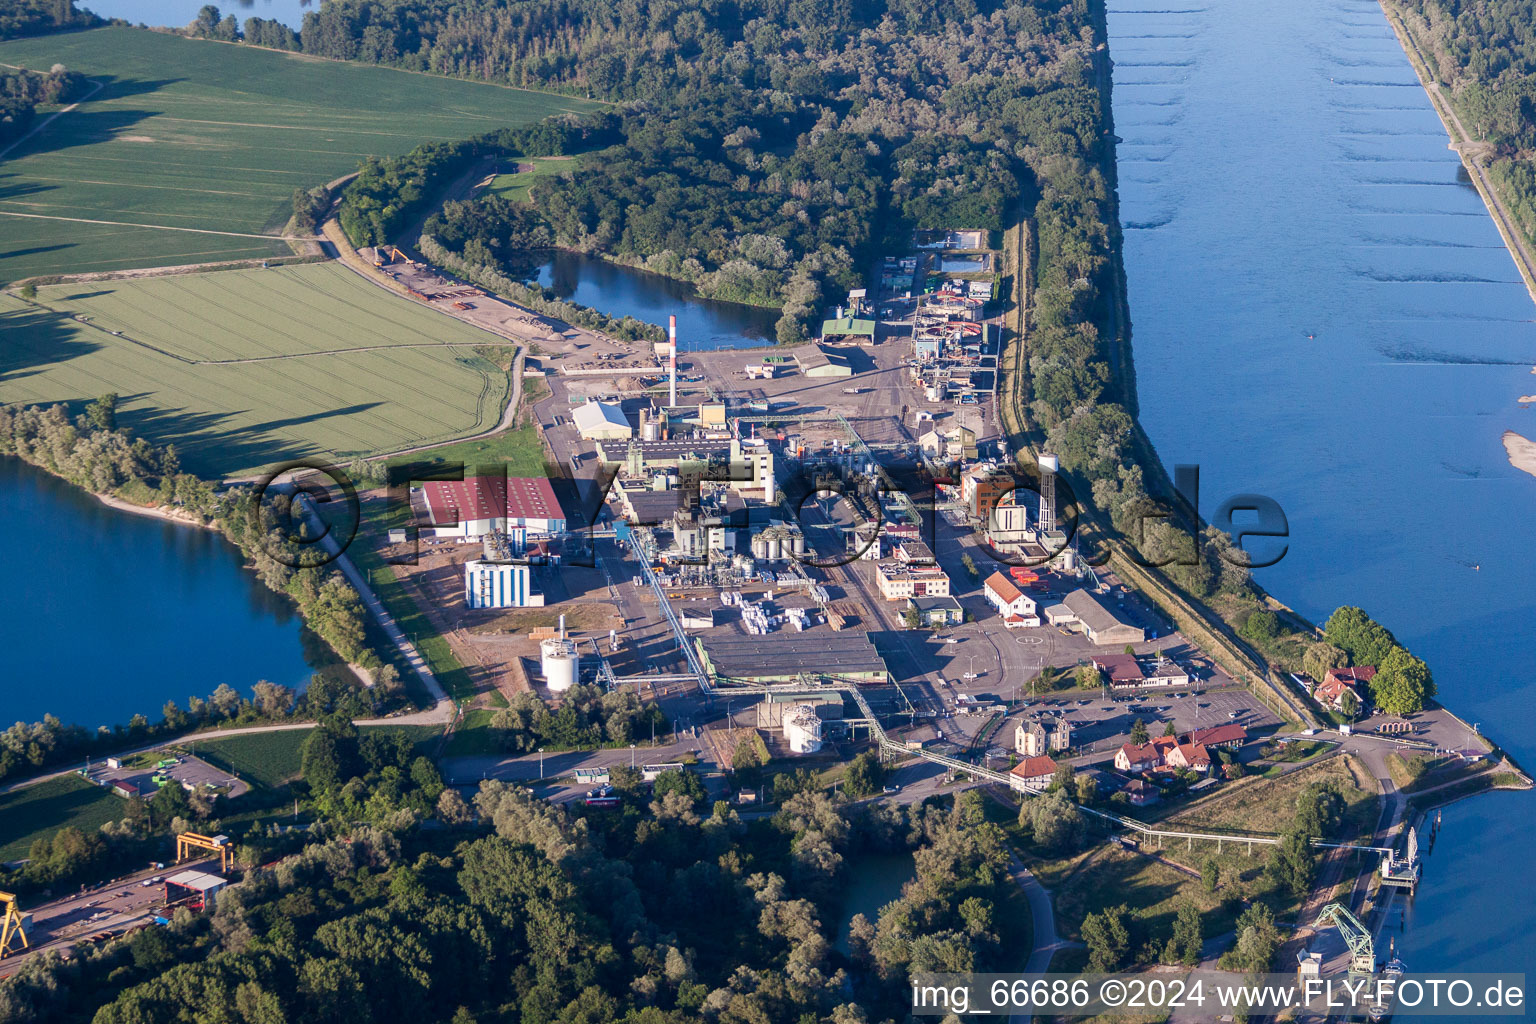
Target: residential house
{"type": "Point", "coordinates": [1141, 793]}
{"type": "Point", "coordinates": [1339, 681]}
{"type": "Point", "coordinates": [1029, 739]}
{"type": "Point", "coordinates": [1061, 736]}
{"type": "Point", "coordinates": [1033, 773]}
{"type": "Point", "coordinates": [1142, 758]}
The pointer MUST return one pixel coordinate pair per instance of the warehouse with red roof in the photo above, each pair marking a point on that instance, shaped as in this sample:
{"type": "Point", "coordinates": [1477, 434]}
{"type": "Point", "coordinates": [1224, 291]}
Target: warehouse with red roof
{"type": "Point", "coordinates": [475, 506]}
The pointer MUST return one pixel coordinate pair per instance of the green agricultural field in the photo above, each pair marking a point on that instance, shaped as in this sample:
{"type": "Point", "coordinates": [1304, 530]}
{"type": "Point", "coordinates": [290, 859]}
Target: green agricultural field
{"type": "Point", "coordinates": [41, 810]}
{"type": "Point", "coordinates": [245, 369]}
{"type": "Point", "coordinates": [261, 758]}
{"type": "Point", "coordinates": [212, 138]}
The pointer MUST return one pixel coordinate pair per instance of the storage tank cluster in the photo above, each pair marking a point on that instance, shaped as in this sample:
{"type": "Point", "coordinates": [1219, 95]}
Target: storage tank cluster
{"type": "Point", "coordinates": [802, 729]}
{"type": "Point", "coordinates": [560, 661]}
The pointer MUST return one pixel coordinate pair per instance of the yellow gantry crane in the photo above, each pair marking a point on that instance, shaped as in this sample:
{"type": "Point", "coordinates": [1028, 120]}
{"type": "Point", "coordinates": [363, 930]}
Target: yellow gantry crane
{"type": "Point", "coordinates": [12, 933]}
{"type": "Point", "coordinates": [189, 841]}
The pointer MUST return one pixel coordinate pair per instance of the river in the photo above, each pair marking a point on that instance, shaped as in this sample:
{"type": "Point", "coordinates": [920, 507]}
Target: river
{"type": "Point", "coordinates": [1324, 312]}
{"type": "Point", "coordinates": [106, 614]}
{"type": "Point", "coordinates": [702, 324]}
{"type": "Point", "coordinates": [181, 13]}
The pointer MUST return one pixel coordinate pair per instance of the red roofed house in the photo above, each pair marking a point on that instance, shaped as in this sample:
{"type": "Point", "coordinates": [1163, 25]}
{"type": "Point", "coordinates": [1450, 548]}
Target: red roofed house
{"type": "Point", "coordinates": [1016, 607]}
{"type": "Point", "coordinates": [1122, 670]}
{"type": "Point", "coordinates": [1143, 758]}
{"type": "Point", "coordinates": [1229, 736]}
{"type": "Point", "coordinates": [476, 506]}
{"type": "Point", "coordinates": [1188, 755]}
{"type": "Point", "coordinates": [1033, 773]}
{"type": "Point", "coordinates": [1330, 692]}
{"type": "Point", "coordinates": [1141, 793]}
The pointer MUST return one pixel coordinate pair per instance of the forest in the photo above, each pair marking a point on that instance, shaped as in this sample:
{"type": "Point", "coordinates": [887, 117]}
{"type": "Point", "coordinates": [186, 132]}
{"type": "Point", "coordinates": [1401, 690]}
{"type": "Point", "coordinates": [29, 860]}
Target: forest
{"type": "Point", "coordinates": [1484, 53]}
{"type": "Point", "coordinates": [664, 910]}
{"type": "Point", "coordinates": [767, 150]}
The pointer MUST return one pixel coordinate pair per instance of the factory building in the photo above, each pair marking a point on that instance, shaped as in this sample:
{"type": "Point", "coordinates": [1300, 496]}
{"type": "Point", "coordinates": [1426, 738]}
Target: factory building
{"type": "Point", "coordinates": [664, 454]}
{"type": "Point", "coordinates": [818, 362]}
{"type": "Point", "coordinates": [848, 329]}
{"type": "Point", "coordinates": [791, 657]}
{"type": "Point", "coordinates": [600, 421]}
{"type": "Point", "coordinates": [900, 580]}
{"type": "Point", "coordinates": [499, 585]}
{"type": "Point", "coordinates": [1099, 624]}
{"type": "Point", "coordinates": [471, 508]}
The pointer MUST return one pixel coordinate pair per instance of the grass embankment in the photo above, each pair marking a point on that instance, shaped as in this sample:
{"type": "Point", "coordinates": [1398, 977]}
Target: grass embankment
{"type": "Point", "coordinates": [1412, 773]}
{"type": "Point", "coordinates": [244, 369]}
{"type": "Point", "coordinates": [199, 135]}
{"type": "Point", "coordinates": [271, 759]}
{"type": "Point", "coordinates": [263, 759]}
{"type": "Point", "coordinates": [513, 185]}
{"type": "Point", "coordinates": [515, 452]}
{"type": "Point", "coordinates": [34, 811]}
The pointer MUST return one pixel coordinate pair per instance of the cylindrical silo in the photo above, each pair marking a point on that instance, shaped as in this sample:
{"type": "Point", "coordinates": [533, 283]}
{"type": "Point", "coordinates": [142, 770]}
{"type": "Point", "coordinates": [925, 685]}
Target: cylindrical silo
{"type": "Point", "coordinates": [561, 664]}
{"type": "Point", "coordinates": [802, 729]}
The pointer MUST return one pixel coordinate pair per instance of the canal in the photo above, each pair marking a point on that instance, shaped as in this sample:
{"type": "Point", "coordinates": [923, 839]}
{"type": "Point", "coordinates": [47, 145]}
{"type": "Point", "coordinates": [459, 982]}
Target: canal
{"type": "Point", "coordinates": [106, 614]}
{"type": "Point", "coordinates": [1324, 312]}
{"type": "Point", "coordinates": [702, 324]}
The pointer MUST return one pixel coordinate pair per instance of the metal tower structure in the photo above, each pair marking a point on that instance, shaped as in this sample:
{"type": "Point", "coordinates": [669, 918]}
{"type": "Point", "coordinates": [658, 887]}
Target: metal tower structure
{"type": "Point", "coordinates": [1362, 948]}
{"type": "Point", "coordinates": [1049, 464]}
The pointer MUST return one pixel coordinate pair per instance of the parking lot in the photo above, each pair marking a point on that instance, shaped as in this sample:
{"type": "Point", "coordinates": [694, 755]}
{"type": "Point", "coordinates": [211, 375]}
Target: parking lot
{"type": "Point", "coordinates": [189, 770]}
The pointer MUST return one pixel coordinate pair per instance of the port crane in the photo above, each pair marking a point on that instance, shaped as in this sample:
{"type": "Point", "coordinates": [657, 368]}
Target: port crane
{"type": "Point", "coordinates": [187, 842]}
{"type": "Point", "coordinates": [1362, 948]}
{"type": "Point", "coordinates": [12, 932]}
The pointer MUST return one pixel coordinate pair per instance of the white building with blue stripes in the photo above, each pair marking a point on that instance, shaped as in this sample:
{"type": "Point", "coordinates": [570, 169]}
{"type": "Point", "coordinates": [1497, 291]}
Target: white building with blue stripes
{"type": "Point", "coordinates": [499, 585]}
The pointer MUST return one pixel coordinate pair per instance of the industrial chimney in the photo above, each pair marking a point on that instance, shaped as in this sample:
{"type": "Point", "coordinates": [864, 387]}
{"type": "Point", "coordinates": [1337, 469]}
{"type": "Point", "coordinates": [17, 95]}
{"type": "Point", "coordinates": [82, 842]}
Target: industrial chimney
{"type": "Point", "coordinates": [672, 353]}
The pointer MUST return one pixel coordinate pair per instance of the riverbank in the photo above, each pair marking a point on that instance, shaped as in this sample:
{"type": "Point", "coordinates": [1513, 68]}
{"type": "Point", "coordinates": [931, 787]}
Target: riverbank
{"type": "Point", "coordinates": [1465, 147]}
{"type": "Point", "coordinates": [164, 513]}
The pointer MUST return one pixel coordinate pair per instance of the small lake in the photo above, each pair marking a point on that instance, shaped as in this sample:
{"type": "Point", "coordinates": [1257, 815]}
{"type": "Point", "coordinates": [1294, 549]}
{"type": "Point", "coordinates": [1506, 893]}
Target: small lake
{"type": "Point", "coordinates": [107, 614]}
{"type": "Point", "coordinates": [702, 324]}
{"type": "Point", "coordinates": [181, 13]}
{"type": "Point", "coordinates": [871, 881]}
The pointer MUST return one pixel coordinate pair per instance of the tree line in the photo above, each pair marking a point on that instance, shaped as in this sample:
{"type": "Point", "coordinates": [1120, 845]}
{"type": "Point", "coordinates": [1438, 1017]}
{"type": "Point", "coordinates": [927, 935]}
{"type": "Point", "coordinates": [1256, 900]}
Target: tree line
{"type": "Point", "coordinates": [1484, 54]}
{"type": "Point", "coordinates": [21, 91]}
{"type": "Point", "coordinates": [38, 17]}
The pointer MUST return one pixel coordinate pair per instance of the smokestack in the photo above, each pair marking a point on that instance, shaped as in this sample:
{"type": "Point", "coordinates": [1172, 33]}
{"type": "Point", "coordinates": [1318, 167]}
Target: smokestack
{"type": "Point", "coordinates": [672, 351]}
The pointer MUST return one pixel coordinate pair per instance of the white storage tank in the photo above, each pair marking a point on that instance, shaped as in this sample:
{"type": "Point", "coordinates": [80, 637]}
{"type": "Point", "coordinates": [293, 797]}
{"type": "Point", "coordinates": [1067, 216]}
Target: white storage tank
{"type": "Point", "coordinates": [797, 543]}
{"type": "Point", "coordinates": [775, 549]}
{"type": "Point", "coordinates": [802, 729]}
{"type": "Point", "coordinates": [759, 546]}
{"type": "Point", "coordinates": [561, 664]}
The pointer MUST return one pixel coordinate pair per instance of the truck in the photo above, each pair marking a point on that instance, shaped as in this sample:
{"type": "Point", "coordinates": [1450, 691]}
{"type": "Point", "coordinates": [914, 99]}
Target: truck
{"type": "Point", "coordinates": [853, 391]}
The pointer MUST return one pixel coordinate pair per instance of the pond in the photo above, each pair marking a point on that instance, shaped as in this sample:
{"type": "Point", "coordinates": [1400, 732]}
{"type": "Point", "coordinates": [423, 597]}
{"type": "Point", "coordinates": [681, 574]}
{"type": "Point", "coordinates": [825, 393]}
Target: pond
{"type": "Point", "coordinates": [108, 614]}
{"type": "Point", "coordinates": [702, 324]}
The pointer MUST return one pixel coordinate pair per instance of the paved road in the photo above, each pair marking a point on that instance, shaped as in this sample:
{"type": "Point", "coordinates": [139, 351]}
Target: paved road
{"type": "Point", "coordinates": [443, 712]}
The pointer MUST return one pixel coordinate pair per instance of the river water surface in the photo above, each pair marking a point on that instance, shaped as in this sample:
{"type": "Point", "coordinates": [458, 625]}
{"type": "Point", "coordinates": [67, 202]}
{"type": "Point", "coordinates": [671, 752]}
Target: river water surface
{"type": "Point", "coordinates": [1325, 313]}
{"type": "Point", "coordinates": [105, 614]}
